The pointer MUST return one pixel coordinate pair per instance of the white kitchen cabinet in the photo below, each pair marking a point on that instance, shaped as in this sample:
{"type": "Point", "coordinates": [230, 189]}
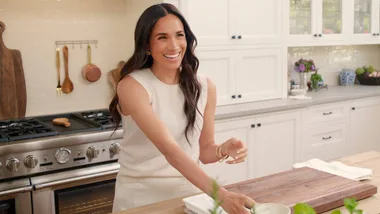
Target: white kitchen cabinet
{"type": "Point", "coordinates": [229, 173]}
{"type": "Point", "coordinates": [243, 75]}
{"type": "Point", "coordinates": [274, 143]}
{"type": "Point", "coordinates": [324, 131]}
{"type": "Point", "coordinates": [234, 22]}
{"type": "Point", "coordinates": [332, 22]}
{"type": "Point", "coordinates": [364, 128]}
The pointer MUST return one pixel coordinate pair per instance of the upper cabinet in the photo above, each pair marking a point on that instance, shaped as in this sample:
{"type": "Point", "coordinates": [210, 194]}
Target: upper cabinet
{"type": "Point", "coordinates": [332, 22]}
{"type": "Point", "coordinates": [234, 22]}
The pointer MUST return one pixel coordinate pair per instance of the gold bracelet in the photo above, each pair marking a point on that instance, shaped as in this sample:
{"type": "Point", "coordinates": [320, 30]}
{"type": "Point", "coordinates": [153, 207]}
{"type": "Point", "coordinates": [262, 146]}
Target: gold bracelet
{"type": "Point", "coordinates": [219, 154]}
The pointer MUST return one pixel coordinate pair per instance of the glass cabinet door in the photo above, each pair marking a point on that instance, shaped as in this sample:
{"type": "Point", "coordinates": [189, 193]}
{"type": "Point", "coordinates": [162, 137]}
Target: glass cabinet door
{"type": "Point", "coordinates": [363, 16]}
{"type": "Point", "coordinates": [300, 14]}
{"type": "Point", "coordinates": [332, 12]}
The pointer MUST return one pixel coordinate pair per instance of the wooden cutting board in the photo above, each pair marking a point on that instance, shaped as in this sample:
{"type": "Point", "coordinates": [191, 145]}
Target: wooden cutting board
{"type": "Point", "coordinates": [12, 82]}
{"type": "Point", "coordinates": [321, 190]}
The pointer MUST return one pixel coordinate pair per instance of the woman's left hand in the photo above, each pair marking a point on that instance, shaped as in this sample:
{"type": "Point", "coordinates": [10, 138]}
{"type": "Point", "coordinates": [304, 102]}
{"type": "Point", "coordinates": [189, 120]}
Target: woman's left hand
{"type": "Point", "coordinates": [235, 149]}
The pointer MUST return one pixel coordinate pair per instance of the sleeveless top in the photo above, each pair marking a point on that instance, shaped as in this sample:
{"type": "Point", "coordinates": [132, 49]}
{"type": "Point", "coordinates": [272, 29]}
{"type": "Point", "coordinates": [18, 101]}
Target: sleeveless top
{"type": "Point", "coordinates": [139, 157]}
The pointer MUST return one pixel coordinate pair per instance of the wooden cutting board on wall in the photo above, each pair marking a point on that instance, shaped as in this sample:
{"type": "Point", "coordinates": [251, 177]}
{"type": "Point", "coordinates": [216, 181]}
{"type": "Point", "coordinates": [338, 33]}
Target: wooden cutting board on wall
{"type": "Point", "coordinates": [322, 191]}
{"type": "Point", "coordinates": [12, 82]}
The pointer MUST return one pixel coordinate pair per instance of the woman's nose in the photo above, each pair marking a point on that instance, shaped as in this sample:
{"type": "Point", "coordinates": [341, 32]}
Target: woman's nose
{"type": "Point", "coordinates": [173, 44]}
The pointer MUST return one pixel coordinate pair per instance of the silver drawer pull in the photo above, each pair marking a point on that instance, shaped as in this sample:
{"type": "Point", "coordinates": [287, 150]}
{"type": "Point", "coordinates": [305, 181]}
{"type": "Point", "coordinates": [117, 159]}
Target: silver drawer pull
{"type": "Point", "coordinates": [326, 138]}
{"type": "Point", "coordinates": [327, 113]}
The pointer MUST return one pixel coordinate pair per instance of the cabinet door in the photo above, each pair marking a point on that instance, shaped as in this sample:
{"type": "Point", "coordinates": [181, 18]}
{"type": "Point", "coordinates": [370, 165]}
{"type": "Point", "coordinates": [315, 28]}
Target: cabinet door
{"type": "Point", "coordinates": [332, 27]}
{"type": "Point", "coordinates": [229, 173]}
{"type": "Point", "coordinates": [219, 66]}
{"type": "Point", "coordinates": [257, 21]}
{"type": "Point", "coordinates": [258, 74]}
{"type": "Point", "coordinates": [275, 144]}
{"type": "Point", "coordinates": [364, 125]}
{"type": "Point", "coordinates": [210, 21]}
{"type": "Point", "coordinates": [364, 28]}
{"type": "Point", "coordinates": [302, 21]}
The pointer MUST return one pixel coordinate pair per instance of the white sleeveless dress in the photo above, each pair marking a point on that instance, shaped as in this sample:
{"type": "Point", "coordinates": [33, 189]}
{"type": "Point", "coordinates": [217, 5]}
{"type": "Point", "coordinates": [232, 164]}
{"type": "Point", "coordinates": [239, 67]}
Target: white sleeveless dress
{"type": "Point", "coordinates": [145, 175]}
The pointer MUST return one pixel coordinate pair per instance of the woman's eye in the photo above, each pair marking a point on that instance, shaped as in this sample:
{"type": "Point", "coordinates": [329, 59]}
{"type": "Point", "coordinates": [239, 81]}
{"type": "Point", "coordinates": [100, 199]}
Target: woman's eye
{"type": "Point", "coordinates": [161, 37]}
{"type": "Point", "coordinates": [181, 35]}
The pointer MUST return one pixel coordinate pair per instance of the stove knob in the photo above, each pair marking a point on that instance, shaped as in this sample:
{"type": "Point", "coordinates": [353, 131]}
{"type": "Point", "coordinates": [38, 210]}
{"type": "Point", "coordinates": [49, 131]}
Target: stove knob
{"type": "Point", "coordinates": [12, 164]}
{"type": "Point", "coordinates": [92, 152]}
{"type": "Point", "coordinates": [115, 148]}
{"type": "Point", "coordinates": [30, 161]}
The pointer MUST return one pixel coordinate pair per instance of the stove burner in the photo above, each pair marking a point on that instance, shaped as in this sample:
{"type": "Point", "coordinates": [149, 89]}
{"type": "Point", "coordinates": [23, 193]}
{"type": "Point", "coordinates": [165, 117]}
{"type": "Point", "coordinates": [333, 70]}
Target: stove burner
{"type": "Point", "coordinates": [24, 129]}
{"type": "Point", "coordinates": [102, 117]}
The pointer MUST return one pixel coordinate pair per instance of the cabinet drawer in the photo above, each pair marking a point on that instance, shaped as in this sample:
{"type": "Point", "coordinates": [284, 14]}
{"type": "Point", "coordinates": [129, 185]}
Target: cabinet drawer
{"type": "Point", "coordinates": [327, 141]}
{"type": "Point", "coordinates": [325, 113]}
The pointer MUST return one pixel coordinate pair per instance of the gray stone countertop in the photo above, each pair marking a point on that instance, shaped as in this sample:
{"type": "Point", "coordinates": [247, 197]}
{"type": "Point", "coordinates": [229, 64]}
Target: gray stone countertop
{"type": "Point", "coordinates": [323, 96]}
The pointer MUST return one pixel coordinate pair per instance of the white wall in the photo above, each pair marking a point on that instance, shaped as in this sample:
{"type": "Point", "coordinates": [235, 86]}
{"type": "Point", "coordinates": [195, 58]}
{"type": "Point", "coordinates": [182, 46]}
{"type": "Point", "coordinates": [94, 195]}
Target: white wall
{"type": "Point", "coordinates": [33, 26]}
{"type": "Point", "coordinates": [332, 59]}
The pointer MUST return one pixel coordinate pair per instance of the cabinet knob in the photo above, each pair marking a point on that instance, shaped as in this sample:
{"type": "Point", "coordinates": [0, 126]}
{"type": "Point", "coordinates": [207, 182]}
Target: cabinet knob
{"type": "Point", "coordinates": [233, 96]}
{"type": "Point", "coordinates": [239, 96]}
{"type": "Point", "coordinates": [353, 108]}
{"type": "Point", "coordinates": [377, 34]}
{"type": "Point", "coordinates": [326, 138]}
{"type": "Point", "coordinates": [320, 35]}
{"type": "Point", "coordinates": [315, 35]}
{"type": "Point", "coordinates": [259, 125]}
{"type": "Point", "coordinates": [327, 113]}
{"type": "Point", "coordinates": [253, 125]}
{"type": "Point", "coordinates": [239, 37]}
{"type": "Point", "coordinates": [233, 37]}
{"type": "Point", "coordinates": [374, 34]}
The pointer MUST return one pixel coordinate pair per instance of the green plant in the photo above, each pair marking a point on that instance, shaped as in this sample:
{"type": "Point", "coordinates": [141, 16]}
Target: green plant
{"type": "Point", "coordinates": [214, 195]}
{"type": "Point", "coordinates": [349, 203]}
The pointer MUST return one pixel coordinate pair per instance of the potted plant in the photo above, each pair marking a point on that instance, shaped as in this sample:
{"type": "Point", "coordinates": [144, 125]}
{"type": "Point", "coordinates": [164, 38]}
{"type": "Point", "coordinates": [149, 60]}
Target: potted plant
{"type": "Point", "coordinates": [315, 80]}
{"type": "Point", "coordinates": [303, 67]}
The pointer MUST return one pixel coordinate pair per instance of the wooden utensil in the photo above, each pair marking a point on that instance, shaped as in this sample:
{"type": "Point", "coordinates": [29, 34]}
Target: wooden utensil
{"type": "Point", "coordinates": [12, 82]}
{"type": "Point", "coordinates": [67, 86]}
{"type": "Point", "coordinates": [91, 72]}
{"type": "Point", "coordinates": [323, 191]}
{"type": "Point", "coordinates": [114, 74]}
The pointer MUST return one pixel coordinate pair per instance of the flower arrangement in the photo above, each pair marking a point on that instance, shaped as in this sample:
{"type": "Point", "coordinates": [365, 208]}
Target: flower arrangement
{"type": "Point", "coordinates": [304, 66]}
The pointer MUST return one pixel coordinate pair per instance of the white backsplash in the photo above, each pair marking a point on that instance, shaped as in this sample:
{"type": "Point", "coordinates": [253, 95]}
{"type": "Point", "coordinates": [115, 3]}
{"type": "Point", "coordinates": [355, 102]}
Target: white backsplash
{"type": "Point", "coordinates": [330, 60]}
{"type": "Point", "coordinates": [33, 26]}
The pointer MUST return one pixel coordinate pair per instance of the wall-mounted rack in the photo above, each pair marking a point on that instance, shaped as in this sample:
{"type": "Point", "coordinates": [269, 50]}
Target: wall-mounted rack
{"type": "Point", "coordinates": [77, 42]}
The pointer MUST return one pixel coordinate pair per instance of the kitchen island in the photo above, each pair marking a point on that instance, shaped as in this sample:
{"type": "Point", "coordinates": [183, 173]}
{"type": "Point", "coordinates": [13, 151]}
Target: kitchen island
{"type": "Point", "coordinates": [370, 205]}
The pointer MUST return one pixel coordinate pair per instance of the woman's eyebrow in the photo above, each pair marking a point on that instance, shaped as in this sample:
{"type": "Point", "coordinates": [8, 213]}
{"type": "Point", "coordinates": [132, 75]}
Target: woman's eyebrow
{"type": "Point", "coordinates": [164, 34]}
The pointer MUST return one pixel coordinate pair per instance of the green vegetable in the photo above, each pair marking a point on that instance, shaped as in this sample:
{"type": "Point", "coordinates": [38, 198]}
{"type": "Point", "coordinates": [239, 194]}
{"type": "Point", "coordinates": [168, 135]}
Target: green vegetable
{"type": "Point", "coordinates": [371, 69]}
{"type": "Point", "coordinates": [302, 208]}
{"type": "Point", "coordinates": [359, 71]}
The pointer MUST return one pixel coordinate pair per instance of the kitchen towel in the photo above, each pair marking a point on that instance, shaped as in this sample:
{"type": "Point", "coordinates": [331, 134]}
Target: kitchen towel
{"type": "Point", "coordinates": [337, 168]}
{"type": "Point", "coordinates": [200, 204]}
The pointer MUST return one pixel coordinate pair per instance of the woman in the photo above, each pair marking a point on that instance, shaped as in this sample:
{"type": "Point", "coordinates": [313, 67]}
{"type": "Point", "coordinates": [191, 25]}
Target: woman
{"type": "Point", "coordinates": [167, 112]}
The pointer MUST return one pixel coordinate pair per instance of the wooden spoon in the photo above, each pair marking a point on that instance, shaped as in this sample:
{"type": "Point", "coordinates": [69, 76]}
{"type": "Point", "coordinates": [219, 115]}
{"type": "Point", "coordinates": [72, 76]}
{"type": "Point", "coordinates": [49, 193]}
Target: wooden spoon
{"type": "Point", "coordinates": [67, 86]}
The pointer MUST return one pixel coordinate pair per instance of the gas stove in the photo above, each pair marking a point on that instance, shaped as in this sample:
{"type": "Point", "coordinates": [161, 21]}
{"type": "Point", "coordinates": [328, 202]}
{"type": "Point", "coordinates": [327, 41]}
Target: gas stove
{"type": "Point", "coordinates": [32, 146]}
{"type": "Point", "coordinates": [102, 117]}
{"type": "Point", "coordinates": [13, 130]}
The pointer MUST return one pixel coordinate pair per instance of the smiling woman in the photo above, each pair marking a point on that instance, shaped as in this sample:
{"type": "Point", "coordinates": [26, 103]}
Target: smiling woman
{"type": "Point", "coordinates": [167, 111]}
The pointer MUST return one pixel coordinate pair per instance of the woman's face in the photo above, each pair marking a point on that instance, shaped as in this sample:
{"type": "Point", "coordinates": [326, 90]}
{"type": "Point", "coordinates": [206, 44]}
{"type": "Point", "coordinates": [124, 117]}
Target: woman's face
{"type": "Point", "coordinates": [168, 43]}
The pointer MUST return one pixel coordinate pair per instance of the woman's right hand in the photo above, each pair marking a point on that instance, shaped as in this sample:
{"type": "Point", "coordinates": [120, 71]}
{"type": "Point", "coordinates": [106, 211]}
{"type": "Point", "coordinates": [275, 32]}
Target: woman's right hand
{"type": "Point", "coordinates": [234, 203]}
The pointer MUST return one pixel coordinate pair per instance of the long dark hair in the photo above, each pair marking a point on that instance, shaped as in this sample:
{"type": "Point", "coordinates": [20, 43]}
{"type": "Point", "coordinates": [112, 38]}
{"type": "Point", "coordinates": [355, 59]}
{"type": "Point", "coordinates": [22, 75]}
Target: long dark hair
{"type": "Point", "coordinates": [188, 81]}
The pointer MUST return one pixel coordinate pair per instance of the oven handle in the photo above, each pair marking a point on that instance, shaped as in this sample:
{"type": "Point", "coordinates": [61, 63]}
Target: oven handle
{"type": "Point", "coordinates": [16, 191]}
{"type": "Point", "coordinates": [74, 179]}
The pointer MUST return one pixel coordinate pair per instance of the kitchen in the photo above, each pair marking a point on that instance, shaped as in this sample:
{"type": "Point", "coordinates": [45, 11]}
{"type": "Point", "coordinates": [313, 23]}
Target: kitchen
{"type": "Point", "coordinates": [251, 106]}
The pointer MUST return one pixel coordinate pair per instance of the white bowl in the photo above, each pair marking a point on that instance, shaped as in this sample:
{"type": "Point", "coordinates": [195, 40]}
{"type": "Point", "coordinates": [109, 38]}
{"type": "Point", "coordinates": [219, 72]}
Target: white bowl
{"type": "Point", "coordinates": [271, 208]}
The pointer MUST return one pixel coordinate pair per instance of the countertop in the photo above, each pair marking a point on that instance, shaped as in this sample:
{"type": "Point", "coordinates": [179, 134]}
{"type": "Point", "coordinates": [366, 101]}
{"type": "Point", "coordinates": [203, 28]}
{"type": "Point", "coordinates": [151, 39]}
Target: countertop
{"type": "Point", "coordinates": [370, 205]}
{"type": "Point", "coordinates": [323, 96]}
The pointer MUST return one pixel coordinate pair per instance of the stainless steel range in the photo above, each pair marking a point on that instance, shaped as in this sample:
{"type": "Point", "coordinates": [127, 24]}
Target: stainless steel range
{"type": "Point", "coordinates": [54, 164]}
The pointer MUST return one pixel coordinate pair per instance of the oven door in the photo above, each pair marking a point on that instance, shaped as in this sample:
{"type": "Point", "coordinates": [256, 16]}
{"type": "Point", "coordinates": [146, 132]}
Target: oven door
{"type": "Point", "coordinates": [15, 197]}
{"type": "Point", "coordinates": [83, 191]}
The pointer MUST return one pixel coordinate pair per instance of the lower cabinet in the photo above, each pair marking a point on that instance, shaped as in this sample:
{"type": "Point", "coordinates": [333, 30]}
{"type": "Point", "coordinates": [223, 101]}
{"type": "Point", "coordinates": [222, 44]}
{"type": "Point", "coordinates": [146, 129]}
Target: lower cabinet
{"type": "Point", "coordinates": [278, 140]}
{"type": "Point", "coordinates": [364, 125]}
{"type": "Point", "coordinates": [273, 143]}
